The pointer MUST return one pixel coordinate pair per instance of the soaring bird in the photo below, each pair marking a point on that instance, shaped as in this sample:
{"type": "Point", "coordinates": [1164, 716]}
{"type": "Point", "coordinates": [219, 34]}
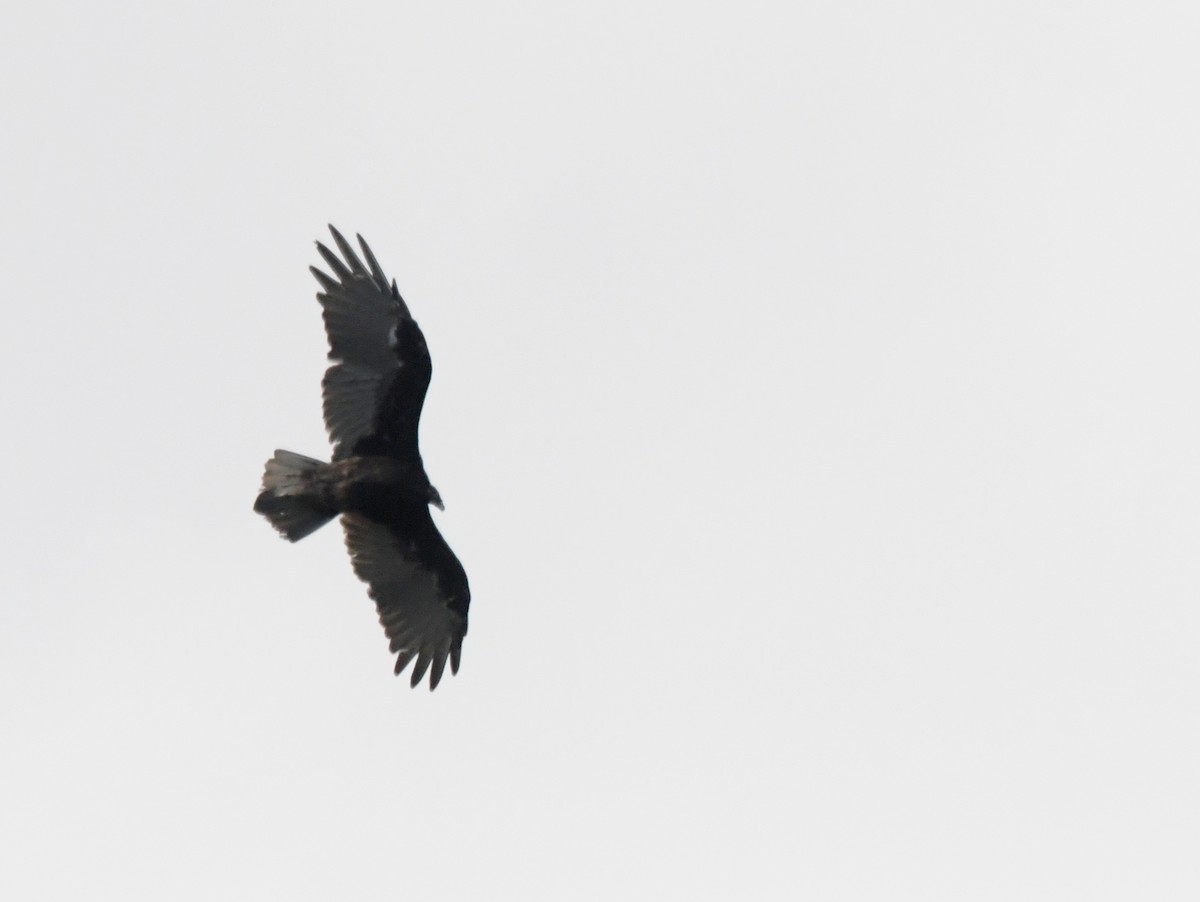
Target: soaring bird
{"type": "Point", "coordinates": [373, 393]}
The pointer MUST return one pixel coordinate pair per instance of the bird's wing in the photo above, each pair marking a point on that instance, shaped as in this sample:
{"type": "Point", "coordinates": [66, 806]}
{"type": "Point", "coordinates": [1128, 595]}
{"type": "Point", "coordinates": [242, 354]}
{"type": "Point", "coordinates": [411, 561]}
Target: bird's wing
{"type": "Point", "coordinates": [419, 588]}
{"type": "Point", "coordinates": [374, 391]}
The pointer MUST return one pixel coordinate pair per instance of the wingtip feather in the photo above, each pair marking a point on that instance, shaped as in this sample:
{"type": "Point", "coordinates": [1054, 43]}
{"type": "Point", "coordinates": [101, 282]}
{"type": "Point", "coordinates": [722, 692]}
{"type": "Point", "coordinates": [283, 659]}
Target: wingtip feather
{"type": "Point", "coordinates": [338, 267]}
{"type": "Point", "coordinates": [422, 665]}
{"type": "Point", "coordinates": [402, 660]}
{"type": "Point", "coordinates": [348, 252]}
{"type": "Point", "coordinates": [376, 269]}
{"type": "Point", "coordinates": [439, 666]}
{"type": "Point", "coordinates": [327, 283]}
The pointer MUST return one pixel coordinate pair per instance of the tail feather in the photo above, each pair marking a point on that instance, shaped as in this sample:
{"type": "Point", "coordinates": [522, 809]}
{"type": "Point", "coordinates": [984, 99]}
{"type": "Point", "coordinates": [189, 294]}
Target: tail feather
{"type": "Point", "coordinates": [287, 499]}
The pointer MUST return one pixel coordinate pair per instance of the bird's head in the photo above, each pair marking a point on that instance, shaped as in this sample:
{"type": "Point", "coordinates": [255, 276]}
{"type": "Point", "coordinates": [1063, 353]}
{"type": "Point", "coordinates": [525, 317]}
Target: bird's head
{"type": "Point", "coordinates": [435, 499]}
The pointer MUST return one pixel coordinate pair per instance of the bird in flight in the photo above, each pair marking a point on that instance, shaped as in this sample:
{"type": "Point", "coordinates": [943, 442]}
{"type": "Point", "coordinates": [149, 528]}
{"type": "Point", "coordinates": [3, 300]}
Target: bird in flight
{"type": "Point", "coordinates": [373, 393]}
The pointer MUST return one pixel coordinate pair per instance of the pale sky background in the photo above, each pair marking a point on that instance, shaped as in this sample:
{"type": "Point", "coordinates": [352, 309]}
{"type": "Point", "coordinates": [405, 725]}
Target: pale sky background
{"type": "Point", "coordinates": [815, 403]}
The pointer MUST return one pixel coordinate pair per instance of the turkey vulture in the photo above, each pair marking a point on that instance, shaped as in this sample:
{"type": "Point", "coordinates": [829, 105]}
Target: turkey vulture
{"type": "Point", "coordinates": [373, 393]}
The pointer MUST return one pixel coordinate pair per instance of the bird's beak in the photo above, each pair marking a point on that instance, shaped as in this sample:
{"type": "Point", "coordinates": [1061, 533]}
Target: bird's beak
{"type": "Point", "coordinates": [435, 499]}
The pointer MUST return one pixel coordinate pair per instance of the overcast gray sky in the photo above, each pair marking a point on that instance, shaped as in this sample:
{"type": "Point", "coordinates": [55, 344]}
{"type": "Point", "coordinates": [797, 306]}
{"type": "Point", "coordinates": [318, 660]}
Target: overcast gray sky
{"type": "Point", "coordinates": [814, 404]}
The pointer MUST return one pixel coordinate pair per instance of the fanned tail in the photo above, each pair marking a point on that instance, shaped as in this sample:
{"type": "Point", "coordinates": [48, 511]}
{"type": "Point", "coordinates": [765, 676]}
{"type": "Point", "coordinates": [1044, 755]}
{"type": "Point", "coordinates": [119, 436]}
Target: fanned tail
{"type": "Point", "coordinates": [287, 497]}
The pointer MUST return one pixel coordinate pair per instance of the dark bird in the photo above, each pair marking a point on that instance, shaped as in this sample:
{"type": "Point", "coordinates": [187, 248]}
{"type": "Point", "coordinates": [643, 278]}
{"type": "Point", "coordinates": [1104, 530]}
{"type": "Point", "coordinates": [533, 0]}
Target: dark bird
{"type": "Point", "coordinates": [373, 394]}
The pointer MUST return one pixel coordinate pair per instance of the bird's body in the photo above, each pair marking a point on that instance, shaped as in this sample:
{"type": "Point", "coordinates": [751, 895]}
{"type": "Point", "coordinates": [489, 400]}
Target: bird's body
{"type": "Point", "coordinates": [373, 394]}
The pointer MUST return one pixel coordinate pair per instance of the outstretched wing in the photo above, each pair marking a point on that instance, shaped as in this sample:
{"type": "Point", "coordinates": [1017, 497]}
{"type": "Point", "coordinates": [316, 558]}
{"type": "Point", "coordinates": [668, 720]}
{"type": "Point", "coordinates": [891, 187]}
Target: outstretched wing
{"type": "Point", "coordinates": [375, 389]}
{"type": "Point", "coordinates": [419, 588]}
